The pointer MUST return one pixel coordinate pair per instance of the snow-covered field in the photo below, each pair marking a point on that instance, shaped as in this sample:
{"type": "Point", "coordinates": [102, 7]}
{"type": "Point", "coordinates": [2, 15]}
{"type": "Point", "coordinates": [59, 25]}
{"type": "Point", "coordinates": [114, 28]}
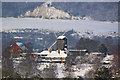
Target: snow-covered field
{"type": "Point", "coordinates": [78, 25]}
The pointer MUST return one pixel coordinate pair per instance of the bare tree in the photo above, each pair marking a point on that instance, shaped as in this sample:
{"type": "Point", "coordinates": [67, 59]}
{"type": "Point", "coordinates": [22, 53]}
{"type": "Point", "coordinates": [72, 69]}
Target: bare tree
{"type": "Point", "coordinates": [28, 66]}
{"type": "Point", "coordinates": [96, 65]}
{"type": "Point", "coordinates": [49, 72]}
{"type": "Point", "coordinates": [7, 65]}
{"type": "Point", "coordinates": [115, 69]}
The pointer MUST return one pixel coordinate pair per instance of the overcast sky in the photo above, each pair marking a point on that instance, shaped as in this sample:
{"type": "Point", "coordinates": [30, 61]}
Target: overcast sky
{"type": "Point", "coordinates": [60, 0]}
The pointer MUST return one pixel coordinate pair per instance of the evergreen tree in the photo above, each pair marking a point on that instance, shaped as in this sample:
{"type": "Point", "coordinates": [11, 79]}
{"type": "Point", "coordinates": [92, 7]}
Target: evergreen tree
{"type": "Point", "coordinates": [103, 49]}
{"type": "Point", "coordinates": [102, 73]}
{"type": "Point", "coordinates": [109, 44]}
{"type": "Point", "coordinates": [88, 44]}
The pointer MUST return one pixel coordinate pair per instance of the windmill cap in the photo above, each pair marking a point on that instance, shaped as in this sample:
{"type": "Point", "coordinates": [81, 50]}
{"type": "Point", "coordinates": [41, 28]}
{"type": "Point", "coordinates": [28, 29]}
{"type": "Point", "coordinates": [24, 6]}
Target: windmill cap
{"type": "Point", "coordinates": [61, 37]}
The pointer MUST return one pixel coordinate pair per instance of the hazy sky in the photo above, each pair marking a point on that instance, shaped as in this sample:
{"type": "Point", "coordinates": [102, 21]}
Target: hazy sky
{"type": "Point", "coordinates": [60, 0]}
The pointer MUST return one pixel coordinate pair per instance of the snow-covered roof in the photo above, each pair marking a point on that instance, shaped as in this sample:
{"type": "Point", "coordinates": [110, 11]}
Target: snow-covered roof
{"type": "Point", "coordinates": [56, 54]}
{"type": "Point", "coordinates": [77, 50]}
{"type": "Point", "coordinates": [108, 57]}
{"type": "Point", "coordinates": [95, 53]}
{"type": "Point", "coordinates": [61, 37]}
{"type": "Point", "coordinates": [53, 54]}
{"type": "Point", "coordinates": [42, 53]}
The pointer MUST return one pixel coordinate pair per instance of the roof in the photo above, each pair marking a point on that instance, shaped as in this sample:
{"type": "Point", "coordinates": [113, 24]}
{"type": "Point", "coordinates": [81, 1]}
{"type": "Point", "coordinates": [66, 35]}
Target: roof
{"type": "Point", "coordinates": [96, 53]}
{"type": "Point", "coordinates": [42, 53]}
{"type": "Point", "coordinates": [56, 54]}
{"type": "Point", "coordinates": [61, 37]}
{"type": "Point", "coordinates": [21, 45]}
{"type": "Point", "coordinates": [72, 50]}
{"type": "Point", "coordinates": [109, 57]}
{"type": "Point", "coordinates": [52, 54]}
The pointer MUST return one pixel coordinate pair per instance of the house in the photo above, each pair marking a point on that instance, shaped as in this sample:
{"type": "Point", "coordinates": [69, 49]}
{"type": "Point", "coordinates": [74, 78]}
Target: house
{"type": "Point", "coordinates": [17, 47]}
{"type": "Point", "coordinates": [96, 54]}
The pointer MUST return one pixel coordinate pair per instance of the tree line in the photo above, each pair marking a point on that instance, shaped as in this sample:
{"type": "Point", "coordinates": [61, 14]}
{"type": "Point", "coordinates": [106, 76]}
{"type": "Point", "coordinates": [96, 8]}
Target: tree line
{"type": "Point", "coordinates": [96, 46]}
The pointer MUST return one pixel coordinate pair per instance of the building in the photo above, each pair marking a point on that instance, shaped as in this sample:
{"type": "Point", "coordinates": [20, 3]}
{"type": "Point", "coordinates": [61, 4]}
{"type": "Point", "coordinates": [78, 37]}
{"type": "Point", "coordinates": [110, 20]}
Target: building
{"type": "Point", "coordinates": [61, 43]}
{"type": "Point", "coordinates": [17, 47]}
{"type": "Point", "coordinates": [58, 55]}
{"type": "Point", "coordinates": [96, 54]}
{"type": "Point", "coordinates": [53, 56]}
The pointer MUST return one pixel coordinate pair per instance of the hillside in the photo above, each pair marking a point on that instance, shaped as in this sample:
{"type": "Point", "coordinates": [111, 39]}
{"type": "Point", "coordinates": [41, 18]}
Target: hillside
{"type": "Point", "coordinates": [48, 12]}
{"type": "Point", "coordinates": [104, 11]}
{"type": "Point", "coordinates": [43, 38]}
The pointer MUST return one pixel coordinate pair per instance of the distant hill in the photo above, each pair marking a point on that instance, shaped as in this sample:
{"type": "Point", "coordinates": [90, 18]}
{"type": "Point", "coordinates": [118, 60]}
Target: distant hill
{"type": "Point", "coordinates": [43, 38]}
{"type": "Point", "coordinates": [47, 11]}
{"type": "Point", "coordinates": [104, 11]}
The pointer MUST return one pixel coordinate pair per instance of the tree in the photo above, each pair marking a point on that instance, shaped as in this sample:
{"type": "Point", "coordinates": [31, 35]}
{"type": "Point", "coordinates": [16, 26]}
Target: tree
{"type": "Point", "coordinates": [88, 44]}
{"type": "Point", "coordinates": [103, 49]}
{"type": "Point", "coordinates": [49, 72]}
{"type": "Point", "coordinates": [8, 70]}
{"type": "Point", "coordinates": [96, 64]}
{"type": "Point", "coordinates": [103, 73]}
{"type": "Point", "coordinates": [109, 43]}
{"type": "Point", "coordinates": [7, 65]}
{"type": "Point", "coordinates": [37, 77]}
{"type": "Point", "coordinates": [28, 66]}
{"type": "Point", "coordinates": [115, 69]}
{"type": "Point", "coordinates": [70, 58]}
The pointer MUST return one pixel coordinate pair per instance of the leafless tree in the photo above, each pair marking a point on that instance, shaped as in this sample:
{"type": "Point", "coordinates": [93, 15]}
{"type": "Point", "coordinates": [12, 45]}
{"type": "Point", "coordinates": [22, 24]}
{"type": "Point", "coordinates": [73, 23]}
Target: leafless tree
{"type": "Point", "coordinates": [28, 66]}
{"type": "Point", "coordinates": [49, 72]}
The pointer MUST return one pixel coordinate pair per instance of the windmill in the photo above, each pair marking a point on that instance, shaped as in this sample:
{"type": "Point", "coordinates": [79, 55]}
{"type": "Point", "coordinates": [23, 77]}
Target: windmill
{"type": "Point", "coordinates": [60, 53]}
{"type": "Point", "coordinates": [61, 43]}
